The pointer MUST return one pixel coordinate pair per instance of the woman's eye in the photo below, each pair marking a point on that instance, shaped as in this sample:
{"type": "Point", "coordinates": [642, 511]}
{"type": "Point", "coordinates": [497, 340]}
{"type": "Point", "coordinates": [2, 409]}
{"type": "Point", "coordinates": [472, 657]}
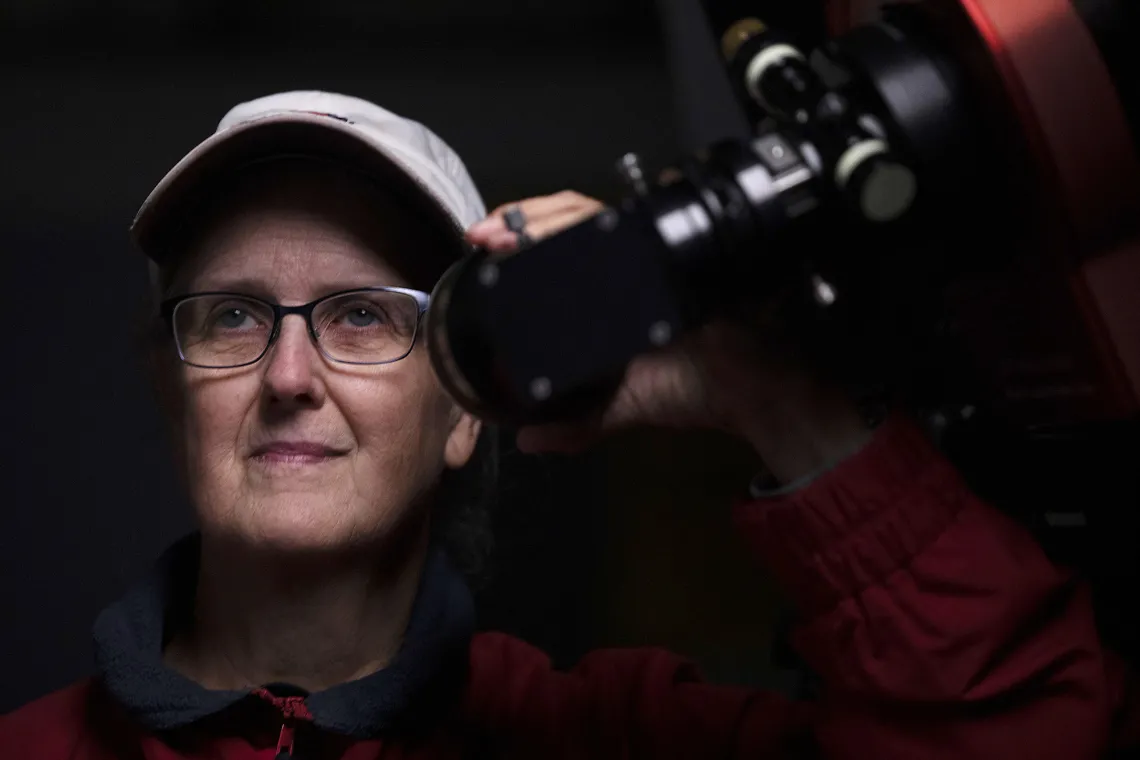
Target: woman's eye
{"type": "Point", "coordinates": [233, 319]}
{"type": "Point", "coordinates": [362, 318]}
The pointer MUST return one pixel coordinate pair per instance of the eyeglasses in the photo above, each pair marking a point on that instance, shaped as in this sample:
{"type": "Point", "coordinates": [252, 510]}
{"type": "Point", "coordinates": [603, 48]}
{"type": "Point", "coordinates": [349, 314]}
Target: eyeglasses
{"type": "Point", "coordinates": [365, 326]}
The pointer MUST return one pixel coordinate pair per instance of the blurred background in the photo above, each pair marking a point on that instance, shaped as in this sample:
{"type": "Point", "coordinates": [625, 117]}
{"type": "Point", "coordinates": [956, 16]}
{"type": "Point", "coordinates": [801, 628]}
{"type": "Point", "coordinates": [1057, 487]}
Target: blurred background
{"type": "Point", "coordinates": [630, 544]}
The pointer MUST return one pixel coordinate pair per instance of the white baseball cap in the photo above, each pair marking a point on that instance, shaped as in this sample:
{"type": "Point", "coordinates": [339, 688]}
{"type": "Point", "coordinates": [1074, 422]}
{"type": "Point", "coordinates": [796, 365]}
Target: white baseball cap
{"type": "Point", "coordinates": [404, 154]}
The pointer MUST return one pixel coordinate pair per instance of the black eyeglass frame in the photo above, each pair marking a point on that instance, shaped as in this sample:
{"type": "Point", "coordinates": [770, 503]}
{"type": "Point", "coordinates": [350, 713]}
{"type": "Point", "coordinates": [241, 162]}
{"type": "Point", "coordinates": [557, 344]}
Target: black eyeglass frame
{"type": "Point", "coordinates": [305, 310]}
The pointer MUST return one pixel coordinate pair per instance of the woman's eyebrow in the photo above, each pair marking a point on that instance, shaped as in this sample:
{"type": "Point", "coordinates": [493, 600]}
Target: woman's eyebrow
{"type": "Point", "coordinates": [313, 289]}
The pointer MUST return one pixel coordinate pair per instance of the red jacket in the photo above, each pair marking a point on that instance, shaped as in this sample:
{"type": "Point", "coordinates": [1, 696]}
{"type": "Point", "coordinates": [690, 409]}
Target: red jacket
{"type": "Point", "coordinates": [938, 627]}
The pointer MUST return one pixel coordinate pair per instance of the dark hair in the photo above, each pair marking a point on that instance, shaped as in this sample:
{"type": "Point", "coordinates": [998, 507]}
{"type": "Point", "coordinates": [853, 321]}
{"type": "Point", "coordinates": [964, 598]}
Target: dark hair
{"type": "Point", "coordinates": [461, 518]}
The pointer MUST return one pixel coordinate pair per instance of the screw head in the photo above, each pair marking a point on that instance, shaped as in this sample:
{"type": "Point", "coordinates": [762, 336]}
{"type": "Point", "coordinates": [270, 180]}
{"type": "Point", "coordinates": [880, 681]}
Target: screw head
{"type": "Point", "coordinates": [822, 291]}
{"type": "Point", "coordinates": [540, 388]}
{"type": "Point", "coordinates": [660, 333]}
{"type": "Point", "coordinates": [488, 275]}
{"type": "Point", "coordinates": [608, 220]}
{"type": "Point", "coordinates": [629, 167]}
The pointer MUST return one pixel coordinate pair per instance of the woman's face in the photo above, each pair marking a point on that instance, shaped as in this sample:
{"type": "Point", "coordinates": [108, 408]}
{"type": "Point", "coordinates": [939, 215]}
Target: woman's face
{"type": "Point", "coordinates": [382, 433]}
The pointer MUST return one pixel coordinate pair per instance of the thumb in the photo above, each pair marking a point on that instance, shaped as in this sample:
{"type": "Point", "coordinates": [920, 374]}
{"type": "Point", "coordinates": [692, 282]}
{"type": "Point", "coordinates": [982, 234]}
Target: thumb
{"type": "Point", "coordinates": [558, 438]}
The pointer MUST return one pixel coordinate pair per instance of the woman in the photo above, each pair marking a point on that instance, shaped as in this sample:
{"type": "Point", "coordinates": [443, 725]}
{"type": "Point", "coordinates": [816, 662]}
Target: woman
{"type": "Point", "coordinates": [316, 613]}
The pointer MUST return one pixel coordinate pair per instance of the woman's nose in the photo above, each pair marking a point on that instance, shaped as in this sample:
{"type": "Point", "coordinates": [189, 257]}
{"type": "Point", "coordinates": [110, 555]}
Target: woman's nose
{"type": "Point", "coordinates": [292, 374]}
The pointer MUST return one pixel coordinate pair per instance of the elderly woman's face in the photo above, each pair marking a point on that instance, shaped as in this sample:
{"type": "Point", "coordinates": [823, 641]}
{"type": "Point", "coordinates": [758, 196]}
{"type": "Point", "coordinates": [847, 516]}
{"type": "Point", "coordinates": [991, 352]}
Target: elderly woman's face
{"type": "Point", "coordinates": [366, 441]}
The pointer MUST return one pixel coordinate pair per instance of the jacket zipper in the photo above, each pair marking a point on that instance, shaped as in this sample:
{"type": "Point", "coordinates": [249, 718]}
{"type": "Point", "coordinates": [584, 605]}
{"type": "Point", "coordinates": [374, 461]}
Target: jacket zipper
{"type": "Point", "coordinates": [292, 709]}
{"type": "Point", "coordinates": [285, 742]}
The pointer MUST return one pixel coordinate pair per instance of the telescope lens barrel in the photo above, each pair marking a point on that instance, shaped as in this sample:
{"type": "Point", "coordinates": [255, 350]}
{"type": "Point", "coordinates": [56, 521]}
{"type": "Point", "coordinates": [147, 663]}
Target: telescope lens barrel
{"type": "Point", "coordinates": [881, 142]}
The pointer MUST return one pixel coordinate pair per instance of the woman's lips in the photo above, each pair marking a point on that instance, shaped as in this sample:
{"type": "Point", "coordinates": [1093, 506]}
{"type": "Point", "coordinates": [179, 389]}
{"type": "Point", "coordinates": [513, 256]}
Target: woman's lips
{"type": "Point", "coordinates": [295, 452]}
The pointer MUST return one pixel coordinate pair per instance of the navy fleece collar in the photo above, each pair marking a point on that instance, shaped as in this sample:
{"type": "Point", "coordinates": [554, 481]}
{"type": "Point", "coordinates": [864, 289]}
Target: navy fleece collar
{"type": "Point", "coordinates": [129, 638]}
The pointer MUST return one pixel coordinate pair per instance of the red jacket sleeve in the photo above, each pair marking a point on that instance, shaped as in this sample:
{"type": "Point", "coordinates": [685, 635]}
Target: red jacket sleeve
{"type": "Point", "coordinates": [938, 626]}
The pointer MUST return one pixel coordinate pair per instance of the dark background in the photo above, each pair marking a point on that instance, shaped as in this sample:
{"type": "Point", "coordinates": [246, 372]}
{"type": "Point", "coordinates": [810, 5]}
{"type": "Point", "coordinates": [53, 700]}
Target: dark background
{"type": "Point", "coordinates": [628, 545]}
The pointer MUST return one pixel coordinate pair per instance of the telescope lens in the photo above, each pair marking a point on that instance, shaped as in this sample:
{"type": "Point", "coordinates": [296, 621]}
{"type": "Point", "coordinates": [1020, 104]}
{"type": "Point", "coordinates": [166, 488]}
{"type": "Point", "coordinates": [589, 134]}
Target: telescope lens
{"type": "Point", "coordinates": [458, 349]}
{"type": "Point", "coordinates": [475, 355]}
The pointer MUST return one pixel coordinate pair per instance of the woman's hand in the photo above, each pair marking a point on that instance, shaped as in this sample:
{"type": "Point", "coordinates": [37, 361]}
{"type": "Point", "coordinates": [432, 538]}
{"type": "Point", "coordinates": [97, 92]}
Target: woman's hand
{"type": "Point", "coordinates": [724, 376]}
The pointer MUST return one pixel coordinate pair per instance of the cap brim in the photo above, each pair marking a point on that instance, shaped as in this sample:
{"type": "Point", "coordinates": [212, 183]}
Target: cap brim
{"type": "Point", "coordinates": [291, 134]}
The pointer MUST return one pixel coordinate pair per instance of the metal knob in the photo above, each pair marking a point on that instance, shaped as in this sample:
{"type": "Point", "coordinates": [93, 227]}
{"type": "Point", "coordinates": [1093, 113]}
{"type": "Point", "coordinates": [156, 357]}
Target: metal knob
{"type": "Point", "coordinates": [629, 167]}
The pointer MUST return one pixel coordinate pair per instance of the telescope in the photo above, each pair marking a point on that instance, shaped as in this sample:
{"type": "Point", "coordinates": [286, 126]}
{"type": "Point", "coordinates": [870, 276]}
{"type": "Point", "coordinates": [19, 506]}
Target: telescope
{"type": "Point", "coordinates": [953, 182]}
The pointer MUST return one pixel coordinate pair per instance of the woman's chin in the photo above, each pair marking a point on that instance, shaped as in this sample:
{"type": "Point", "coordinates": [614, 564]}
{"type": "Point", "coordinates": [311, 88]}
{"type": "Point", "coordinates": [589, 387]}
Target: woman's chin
{"type": "Point", "coordinates": [303, 526]}
{"type": "Point", "coordinates": [283, 542]}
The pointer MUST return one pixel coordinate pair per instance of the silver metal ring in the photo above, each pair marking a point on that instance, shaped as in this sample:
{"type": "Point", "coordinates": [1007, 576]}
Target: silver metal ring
{"type": "Point", "coordinates": [515, 219]}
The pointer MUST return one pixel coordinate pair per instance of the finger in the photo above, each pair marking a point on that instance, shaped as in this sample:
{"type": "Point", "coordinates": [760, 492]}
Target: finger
{"type": "Point", "coordinates": [545, 226]}
{"type": "Point", "coordinates": [506, 241]}
{"type": "Point", "coordinates": [545, 204]}
{"type": "Point", "coordinates": [535, 210]}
